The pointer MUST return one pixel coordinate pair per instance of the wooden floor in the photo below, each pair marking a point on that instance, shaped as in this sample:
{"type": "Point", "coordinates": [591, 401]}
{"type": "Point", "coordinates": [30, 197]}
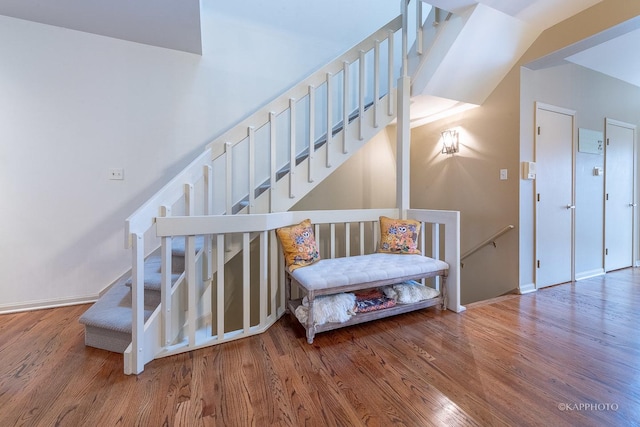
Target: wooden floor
{"type": "Point", "coordinates": [566, 355]}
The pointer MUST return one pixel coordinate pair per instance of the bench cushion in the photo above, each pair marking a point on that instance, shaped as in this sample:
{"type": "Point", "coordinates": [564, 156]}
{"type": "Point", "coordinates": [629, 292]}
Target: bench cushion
{"type": "Point", "coordinates": [329, 273]}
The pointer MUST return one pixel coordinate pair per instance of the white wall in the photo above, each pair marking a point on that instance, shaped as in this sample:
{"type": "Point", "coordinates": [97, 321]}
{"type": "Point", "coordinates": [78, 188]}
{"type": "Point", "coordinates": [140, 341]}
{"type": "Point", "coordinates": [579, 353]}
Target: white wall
{"type": "Point", "coordinates": [73, 105]}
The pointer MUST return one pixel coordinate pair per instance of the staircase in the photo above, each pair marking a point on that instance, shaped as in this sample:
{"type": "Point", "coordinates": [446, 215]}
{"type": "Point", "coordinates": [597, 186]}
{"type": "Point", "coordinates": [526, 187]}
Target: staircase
{"type": "Point", "coordinates": [266, 163]}
{"type": "Point", "coordinates": [180, 292]}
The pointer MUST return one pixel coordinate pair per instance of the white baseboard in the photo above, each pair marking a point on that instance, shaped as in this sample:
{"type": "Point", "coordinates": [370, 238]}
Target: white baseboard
{"type": "Point", "coordinates": [588, 274]}
{"type": "Point", "coordinates": [58, 302]}
{"type": "Point", "coordinates": [527, 288]}
{"type": "Point", "coordinates": [637, 264]}
{"type": "Point", "coordinates": [44, 304]}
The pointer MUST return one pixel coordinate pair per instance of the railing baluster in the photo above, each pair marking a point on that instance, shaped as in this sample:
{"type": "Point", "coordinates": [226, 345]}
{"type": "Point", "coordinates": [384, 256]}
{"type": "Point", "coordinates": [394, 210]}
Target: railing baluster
{"type": "Point", "coordinates": [361, 226]}
{"type": "Point", "coordinates": [390, 70]}
{"type": "Point", "coordinates": [435, 241]}
{"type": "Point", "coordinates": [435, 248]}
{"type": "Point", "coordinates": [316, 232]}
{"type": "Point", "coordinates": [189, 200]}
{"type": "Point", "coordinates": [376, 82]}
{"type": "Point", "coordinates": [405, 37]}
{"type": "Point", "coordinates": [347, 238]}
{"type": "Point", "coordinates": [246, 282]}
{"type": "Point", "coordinates": [312, 129]}
{"type": "Point", "coordinates": [273, 164]}
{"type": "Point", "coordinates": [419, 30]}
{"type": "Point", "coordinates": [376, 235]}
{"type": "Point", "coordinates": [332, 238]}
{"type": "Point", "coordinates": [208, 210]}
{"type": "Point", "coordinates": [207, 173]}
{"type": "Point", "coordinates": [165, 282]}
{"type": "Point", "coordinates": [292, 141]}
{"type": "Point", "coordinates": [264, 276]}
{"type": "Point", "coordinates": [220, 244]}
{"type": "Point", "coordinates": [228, 185]}
{"type": "Point", "coordinates": [422, 245]}
{"type": "Point", "coordinates": [273, 271]}
{"type": "Point", "coordinates": [345, 104]}
{"type": "Point", "coordinates": [190, 265]}
{"type": "Point", "coordinates": [329, 117]}
{"type": "Point", "coordinates": [361, 93]}
{"type": "Point", "coordinates": [192, 301]}
{"type": "Point", "coordinates": [251, 131]}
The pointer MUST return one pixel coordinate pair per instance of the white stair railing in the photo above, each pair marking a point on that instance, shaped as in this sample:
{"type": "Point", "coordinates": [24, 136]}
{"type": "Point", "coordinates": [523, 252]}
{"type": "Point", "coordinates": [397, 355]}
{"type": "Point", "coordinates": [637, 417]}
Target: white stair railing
{"type": "Point", "coordinates": [265, 163]}
{"type": "Point", "coordinates": [338, 233]}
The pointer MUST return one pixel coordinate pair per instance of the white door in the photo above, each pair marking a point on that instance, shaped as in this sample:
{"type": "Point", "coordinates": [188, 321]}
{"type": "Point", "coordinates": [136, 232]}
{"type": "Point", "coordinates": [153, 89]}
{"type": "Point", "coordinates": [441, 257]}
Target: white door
{"type": "Point", "coordinates": [619, 195]}
{"type": "Point", "coordinates": [554, 195]}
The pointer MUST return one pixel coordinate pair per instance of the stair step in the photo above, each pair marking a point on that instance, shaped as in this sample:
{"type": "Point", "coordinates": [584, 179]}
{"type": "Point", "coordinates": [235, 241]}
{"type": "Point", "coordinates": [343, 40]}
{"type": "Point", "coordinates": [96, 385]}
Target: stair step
{"type": "Point", "coordinates": [178, 244]}
{"type": "Point", "coordinates": [177, 252]}
{"type": "Point", "coordinates": [108, 321]}
{"type": "Point", "coordinates": [152, 275]}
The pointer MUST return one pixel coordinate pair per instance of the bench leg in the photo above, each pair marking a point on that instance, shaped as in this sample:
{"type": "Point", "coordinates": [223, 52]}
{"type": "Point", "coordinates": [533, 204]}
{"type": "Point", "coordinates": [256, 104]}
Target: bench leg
{"type": "Point", "coordinates": [287, 291]}
{"type": "Point", "coordinates": [311, 329]}
{"type": "Point", "coordinates": [443, 292]}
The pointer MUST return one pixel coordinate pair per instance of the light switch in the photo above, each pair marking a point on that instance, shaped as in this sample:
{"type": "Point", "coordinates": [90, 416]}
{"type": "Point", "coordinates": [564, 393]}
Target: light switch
{"type": "Point", "coordinates": [503, 174]}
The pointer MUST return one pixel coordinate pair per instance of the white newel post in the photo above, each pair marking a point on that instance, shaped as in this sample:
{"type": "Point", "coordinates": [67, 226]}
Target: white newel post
{"type": "Point", "coordinates": [137, 304]}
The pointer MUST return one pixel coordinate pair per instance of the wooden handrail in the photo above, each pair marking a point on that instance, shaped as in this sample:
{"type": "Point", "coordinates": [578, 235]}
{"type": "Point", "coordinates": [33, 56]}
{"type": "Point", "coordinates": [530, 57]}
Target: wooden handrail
{"type": "Point", "coordinates": [487, 241]}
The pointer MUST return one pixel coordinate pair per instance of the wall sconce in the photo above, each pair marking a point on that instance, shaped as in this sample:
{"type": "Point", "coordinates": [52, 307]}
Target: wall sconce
{"type": "Point", "coordinates": [449, 141]}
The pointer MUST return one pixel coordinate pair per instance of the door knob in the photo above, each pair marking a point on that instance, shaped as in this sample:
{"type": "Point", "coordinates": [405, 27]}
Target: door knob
{"type": "Point", "coordinates": [633, 205]}
{"type": "Point", "coordinates": [571, 206]}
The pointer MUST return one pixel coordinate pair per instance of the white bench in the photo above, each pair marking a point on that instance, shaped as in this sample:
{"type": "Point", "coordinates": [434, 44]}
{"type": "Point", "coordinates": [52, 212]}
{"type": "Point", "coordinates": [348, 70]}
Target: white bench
{"type": "Point", "coordinates": [349, 274]}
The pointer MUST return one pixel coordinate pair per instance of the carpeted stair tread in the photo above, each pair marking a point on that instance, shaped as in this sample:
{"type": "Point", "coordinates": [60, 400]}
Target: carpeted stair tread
{"type": "Point", "coordinates": [152, 276]}
{"type": "Point", "coordinates": [178, 244]}
{"type": "Point", "coordinates": [113, 311]}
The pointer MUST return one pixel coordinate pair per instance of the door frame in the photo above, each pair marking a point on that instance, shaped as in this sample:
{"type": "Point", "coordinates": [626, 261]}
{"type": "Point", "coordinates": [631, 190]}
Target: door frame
{"type": "Point", "coordinates": [634, 225]}
{"type": "Point", "coordinates": [572, 114]}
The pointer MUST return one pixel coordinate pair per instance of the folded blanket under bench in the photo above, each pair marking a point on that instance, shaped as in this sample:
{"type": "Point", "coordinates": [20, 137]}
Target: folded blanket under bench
{"type": "Point", "coordinates": [349, 274]}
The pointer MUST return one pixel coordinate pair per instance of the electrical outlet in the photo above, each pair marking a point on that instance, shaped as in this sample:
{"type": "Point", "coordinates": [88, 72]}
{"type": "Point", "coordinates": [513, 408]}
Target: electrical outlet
{"type": "Point", "coordinates": [116, 173]}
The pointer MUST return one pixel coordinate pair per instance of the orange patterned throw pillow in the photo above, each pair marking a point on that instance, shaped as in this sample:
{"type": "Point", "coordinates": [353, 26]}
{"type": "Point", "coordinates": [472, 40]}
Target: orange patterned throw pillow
{"type": "Point", "coordinates": [298, 244]}
{"type": "Point", "coordinates": [399, 236]}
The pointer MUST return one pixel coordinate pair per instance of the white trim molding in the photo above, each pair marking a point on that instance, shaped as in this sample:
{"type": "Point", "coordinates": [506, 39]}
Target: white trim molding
{"type": "Point", "coordinates": [527, 288]}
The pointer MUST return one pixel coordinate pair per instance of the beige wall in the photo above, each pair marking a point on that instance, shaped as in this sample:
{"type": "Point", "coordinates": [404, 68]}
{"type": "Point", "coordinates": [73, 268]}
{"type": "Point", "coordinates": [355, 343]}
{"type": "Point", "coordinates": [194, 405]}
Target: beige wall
{"type": "Point", "coordinates": [469, 181]}
{"type": "Point", "coordinates": [366, 181]}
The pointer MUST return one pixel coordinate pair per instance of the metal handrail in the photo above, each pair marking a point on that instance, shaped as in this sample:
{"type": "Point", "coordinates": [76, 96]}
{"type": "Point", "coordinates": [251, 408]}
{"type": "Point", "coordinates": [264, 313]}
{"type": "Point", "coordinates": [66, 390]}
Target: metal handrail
{"type": "Point", "coordinates": [490, 240]}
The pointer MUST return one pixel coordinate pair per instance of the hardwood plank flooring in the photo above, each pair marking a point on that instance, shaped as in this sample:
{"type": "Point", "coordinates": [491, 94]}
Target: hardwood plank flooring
{"type": "Point", "coordinates": [567, 355]}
